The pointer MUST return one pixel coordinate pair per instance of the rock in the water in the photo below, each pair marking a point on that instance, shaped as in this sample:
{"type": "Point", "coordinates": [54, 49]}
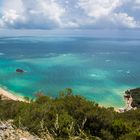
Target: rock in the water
{"type": "Point", "coordinates": [19, 70]}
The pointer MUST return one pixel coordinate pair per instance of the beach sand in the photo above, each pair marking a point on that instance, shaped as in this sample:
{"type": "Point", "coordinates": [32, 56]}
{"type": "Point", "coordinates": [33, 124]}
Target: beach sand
{"type": "Point", "coordinates": [10, 96]}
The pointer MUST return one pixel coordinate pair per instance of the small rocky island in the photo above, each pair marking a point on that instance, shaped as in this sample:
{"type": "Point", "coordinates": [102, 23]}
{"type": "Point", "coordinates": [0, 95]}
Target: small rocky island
{"type": "Point", "coordinates": [19, 71]}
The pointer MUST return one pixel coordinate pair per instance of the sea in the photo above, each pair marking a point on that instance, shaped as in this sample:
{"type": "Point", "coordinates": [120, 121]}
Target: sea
{"type": "Point", "coordinates": [99, 69]}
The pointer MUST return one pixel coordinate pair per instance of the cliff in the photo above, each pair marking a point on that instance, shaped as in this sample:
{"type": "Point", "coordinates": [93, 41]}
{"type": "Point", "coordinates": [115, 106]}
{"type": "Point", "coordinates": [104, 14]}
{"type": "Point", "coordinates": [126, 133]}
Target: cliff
{"type": "Point", "coordinates": [135, 94]}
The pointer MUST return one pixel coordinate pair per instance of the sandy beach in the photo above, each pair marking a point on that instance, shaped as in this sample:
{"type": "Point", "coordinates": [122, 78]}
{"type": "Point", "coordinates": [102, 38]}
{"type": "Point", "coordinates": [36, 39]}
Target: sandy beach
{"type": "Point", "coordinates": [9, 96]}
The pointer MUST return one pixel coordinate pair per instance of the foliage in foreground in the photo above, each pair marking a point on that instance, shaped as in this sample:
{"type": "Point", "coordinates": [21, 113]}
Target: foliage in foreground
{"type": "Point", "coordinates": [71, 117]}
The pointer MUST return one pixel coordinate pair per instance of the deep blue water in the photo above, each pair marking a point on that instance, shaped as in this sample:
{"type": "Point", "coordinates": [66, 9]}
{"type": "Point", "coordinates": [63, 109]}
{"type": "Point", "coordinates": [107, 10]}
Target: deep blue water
{"type": "Point", "coordinates": [98, 69]}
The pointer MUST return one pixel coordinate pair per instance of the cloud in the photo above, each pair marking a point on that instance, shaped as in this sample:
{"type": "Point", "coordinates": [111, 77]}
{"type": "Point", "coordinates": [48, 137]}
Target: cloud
{"type": "Point", "coordinates": [137, 2]}
{"type": "Point", "coordinates": [106, 13]}
{"type": "Point", "coordinates": [99, 8]}
{"type": "Point", "coordinates": [123, 20]}
{"type": "Point", "coordinates": [32, 14]}
{"type": "Point", "coordinates": [52, 14]}
{"type": "Point", "coordinates": [136, 5]}
{"type": "Point", "coordinates": [48, 10]}
{"type": "Point", "coordinates": [11, 17]}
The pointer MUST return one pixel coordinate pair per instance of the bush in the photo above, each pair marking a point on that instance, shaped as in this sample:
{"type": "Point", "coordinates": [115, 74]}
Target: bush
{"type": "Point", "coordinates": [71, 116]}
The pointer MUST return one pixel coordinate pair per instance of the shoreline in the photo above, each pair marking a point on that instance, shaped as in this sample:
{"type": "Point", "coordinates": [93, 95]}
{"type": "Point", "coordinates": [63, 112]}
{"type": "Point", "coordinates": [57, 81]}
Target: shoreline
{"type": "Point", "coordinates": [10, 96]}
{"type": "Point", "coordinates": [7, 95]}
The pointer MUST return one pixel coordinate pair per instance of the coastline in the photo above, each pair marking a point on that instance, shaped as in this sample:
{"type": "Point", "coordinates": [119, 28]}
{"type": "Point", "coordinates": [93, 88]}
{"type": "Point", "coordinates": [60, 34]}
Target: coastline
{"type": "Point", "coordinates": [7, 95]}
{"type": "Point", "coordinates": [10, 96]}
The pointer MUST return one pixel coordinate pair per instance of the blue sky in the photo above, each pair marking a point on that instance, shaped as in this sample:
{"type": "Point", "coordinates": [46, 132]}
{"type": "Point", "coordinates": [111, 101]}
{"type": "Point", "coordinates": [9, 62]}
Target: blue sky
{"type": "Point", "coordinates": [70, 14]}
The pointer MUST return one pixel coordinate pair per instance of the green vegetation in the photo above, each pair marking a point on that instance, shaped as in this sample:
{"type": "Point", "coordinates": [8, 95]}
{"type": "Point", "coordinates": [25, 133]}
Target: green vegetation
{"type": "Point", "coordinates": [135, 93]}
{"type": "Point", "coordinates": [70, 117]}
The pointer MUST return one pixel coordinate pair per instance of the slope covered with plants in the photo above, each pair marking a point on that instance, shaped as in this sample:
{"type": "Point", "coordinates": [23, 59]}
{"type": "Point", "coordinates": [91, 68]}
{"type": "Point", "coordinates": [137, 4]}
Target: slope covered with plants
{"type": "Point", "coordinates": [70, 117]}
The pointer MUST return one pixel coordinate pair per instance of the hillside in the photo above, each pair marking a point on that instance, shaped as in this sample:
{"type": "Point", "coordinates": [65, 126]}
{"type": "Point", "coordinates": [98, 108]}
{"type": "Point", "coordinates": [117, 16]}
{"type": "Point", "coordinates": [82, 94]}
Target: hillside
{"type": "Point", "coordinates": [71, 117]}
{"type": "Point", "coordinates": [135, 93]}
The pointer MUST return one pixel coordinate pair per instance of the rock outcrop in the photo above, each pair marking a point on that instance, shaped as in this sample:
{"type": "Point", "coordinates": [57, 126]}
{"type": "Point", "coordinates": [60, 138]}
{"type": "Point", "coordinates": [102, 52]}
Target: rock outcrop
{"type": "Point", "coordinates": [9, 132]}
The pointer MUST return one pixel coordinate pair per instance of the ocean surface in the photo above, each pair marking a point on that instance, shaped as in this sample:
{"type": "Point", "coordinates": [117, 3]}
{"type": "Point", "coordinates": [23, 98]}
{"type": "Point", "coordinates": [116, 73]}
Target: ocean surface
{"type": "Point", "coordinates": [97, 68]}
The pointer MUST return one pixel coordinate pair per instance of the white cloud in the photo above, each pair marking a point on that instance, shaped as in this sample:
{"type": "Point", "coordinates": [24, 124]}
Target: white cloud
{"type": "Point", "coordinates": [44, 14]}
{"type": "Point", "coordinates": [35, 12]}
{"type": "Point", "coordinates": [10, 17]}
{"type": "Point", "coordinates": [105, 12]}
{"type": "Point", "coordinates": [48, 9]}
{"type": "Point", "coordinates": [11, 13]}
{"type": "Point", "coordinates": [69, 24]}
{"type": "Point", "coordinates": [12, 4]}
{"type": "Point", "coordinates": [123, 20]}
{"type": "Point", "coordinates": [136, 4]}
{"type": "Point", "coordinates": [137, 1]}
{"type": "Point", "coordinates": [99, 8]}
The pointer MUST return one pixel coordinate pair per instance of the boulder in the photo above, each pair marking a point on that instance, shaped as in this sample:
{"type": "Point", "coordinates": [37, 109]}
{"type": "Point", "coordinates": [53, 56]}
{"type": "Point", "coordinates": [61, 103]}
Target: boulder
{"type": "Point", "coordinates": [19, 70]}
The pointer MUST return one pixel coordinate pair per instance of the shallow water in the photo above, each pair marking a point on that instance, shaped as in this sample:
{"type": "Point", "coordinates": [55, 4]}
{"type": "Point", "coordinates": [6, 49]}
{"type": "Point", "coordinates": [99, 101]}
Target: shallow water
{"type": "Point", "coordinates": [98, 69]}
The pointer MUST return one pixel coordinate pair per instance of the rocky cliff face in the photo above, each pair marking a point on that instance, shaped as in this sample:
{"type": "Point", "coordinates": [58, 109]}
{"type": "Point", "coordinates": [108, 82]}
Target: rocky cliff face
{"type": "Point", "coordinates": [10, 132]}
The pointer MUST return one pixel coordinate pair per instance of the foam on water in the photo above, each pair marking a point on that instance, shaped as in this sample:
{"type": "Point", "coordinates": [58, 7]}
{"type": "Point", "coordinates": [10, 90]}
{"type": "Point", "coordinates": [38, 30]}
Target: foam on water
{"type": "Point", "coordinates": [66, 59]}
{"type": "Point", "coordinates": [1, 53]}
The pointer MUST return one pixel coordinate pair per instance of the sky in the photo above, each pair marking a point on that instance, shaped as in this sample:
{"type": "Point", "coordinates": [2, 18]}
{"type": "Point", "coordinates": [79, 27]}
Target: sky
{"type": "Point", "coordinates": [70, 14]}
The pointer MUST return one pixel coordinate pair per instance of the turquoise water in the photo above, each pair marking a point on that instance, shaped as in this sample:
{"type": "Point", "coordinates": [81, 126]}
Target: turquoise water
{"type": "Point", "coordinates": [98, 69]}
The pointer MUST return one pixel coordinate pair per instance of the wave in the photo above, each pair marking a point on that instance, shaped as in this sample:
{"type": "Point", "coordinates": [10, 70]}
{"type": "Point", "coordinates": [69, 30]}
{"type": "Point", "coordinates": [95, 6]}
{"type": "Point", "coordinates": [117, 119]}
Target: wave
{"type": "Point", "coordinates": [108, 60]}
{"type": "Point", "coordinates": [128, 72]}
{"type": "Point", "coordinates": [120, 70]}
{"type": "Point", "coordinates": [2, 53]}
